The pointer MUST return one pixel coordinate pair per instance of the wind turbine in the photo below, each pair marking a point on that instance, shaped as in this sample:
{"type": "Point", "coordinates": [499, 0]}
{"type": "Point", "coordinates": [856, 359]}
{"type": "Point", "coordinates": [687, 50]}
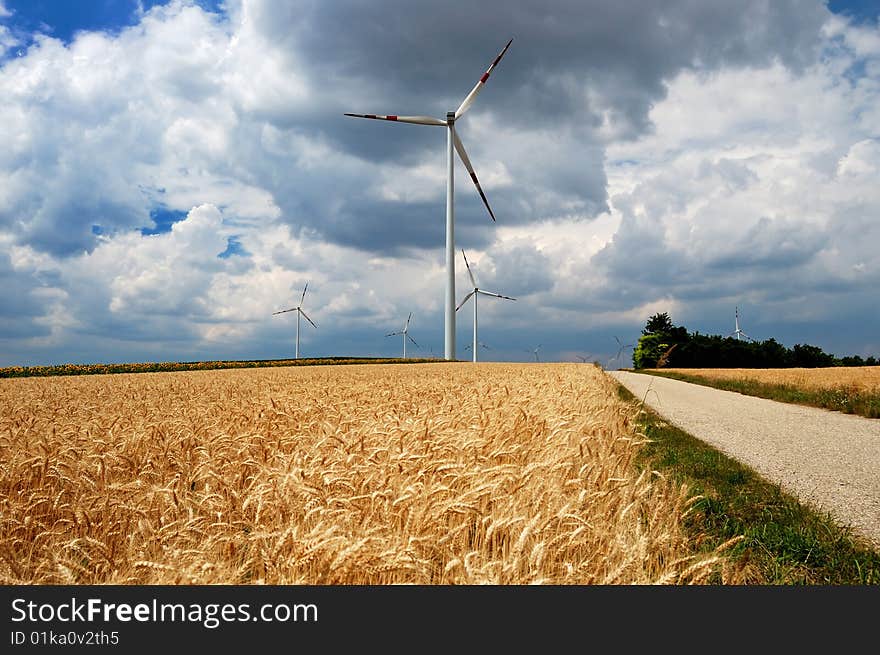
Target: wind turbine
{"type": "Point", "coordinates": [738, 332]}
{"type": "Point", "coordinates": [622, 347]}
{"type": "Point", "coordinates": [475, 292]}
{"type": "Point", "coordinates": [299, 312]}
{"type": "Point", "coordinates": [535, 352]}
{"type": "Point", "coordinates": [405, 333]}
{"type": "Point", "coordinates": [482, 345]}
{"type": "Point", "coordinates": [452, 141]}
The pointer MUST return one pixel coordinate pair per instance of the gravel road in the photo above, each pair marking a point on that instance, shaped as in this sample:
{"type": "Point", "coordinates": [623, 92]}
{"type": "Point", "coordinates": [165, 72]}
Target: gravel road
{"type": "Point", "coordinates": [828, 460]}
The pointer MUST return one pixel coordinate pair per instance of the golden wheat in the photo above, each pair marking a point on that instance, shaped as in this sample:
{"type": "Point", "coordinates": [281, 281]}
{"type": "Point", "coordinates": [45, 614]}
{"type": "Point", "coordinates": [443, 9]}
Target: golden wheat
{"type": "Point", "coordinates": [379, 474]}
{"type": "Point", "coordinates": [860, 378]}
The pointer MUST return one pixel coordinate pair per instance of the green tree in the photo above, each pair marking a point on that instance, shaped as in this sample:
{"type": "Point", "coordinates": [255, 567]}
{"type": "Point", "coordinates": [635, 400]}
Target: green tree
{"type": "Point", "coordinates": [658, 323]}
{"type": "Point", "coordinates": [650, 348]}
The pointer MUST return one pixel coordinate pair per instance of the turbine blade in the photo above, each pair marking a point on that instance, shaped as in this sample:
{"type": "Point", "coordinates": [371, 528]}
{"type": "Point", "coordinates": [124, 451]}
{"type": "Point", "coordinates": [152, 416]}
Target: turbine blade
{"type": "Point", "coordinates": [418, 120]}
{"type": "Point", "coordinates": [392, 334]}
{"type": "Point", "coordinates": [304, 294]}
{"type": "Point", "coordinates": [471, 275]}
{"type": "Point", "coordinates": [466, 103]}
{"type": "Point", "coordinates": [459, 146]}
{"type": "Point", "coordinates": [406, 327]}
{"type": "Point", "coordinates": [284, 311]}
{"type": "Point", "coordinates": [413, 340]}
{"type": "Point", "coordinates": [497, 295]}
{"type": "Point", "coordinates": [466, 298]}
{"type": "Point", "coordinates": [306, 316]}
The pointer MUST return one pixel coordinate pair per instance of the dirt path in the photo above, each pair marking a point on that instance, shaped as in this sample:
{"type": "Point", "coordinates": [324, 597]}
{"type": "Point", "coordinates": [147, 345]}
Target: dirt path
{"type": "Point", "coordinates": [829, 460]}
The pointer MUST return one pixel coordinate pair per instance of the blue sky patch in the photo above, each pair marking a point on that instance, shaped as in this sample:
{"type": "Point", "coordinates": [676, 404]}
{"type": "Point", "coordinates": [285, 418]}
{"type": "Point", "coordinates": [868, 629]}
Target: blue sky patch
{"type": "Point", "coordinates": [233, 247]}
{"type": "Point", "coordinates": [860, 10]}
{"type": "Point", "coordinates": [164, 219]}
{"type": "Point", "coordinates": [62, 19]}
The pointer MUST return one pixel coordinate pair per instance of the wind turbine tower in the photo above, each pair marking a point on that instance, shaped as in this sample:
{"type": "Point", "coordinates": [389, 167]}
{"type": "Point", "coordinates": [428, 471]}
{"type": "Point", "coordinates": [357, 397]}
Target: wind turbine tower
{"type": "Point", "coordinates": [452, 141]}
{"type": "Point", "coordinates": [299, 312]}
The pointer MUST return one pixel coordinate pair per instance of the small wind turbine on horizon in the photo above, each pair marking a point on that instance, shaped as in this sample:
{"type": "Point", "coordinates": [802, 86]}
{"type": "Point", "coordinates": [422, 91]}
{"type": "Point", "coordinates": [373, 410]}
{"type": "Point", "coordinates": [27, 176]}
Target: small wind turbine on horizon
{"type": "Point", "coordinates": [475, 292]}
{"type": "Point", "coordinates": [452, 141]}
{"type": "Point", "coordinates": [299, 312]}
{"type": "Point", "coordinates": [535, 353]}
{"type": "Point", "coordinates": [405, 333]}
{"type": "Point", "coordinates": [738, 332]}
{"type": "Point", "coordinates": [621, 347]}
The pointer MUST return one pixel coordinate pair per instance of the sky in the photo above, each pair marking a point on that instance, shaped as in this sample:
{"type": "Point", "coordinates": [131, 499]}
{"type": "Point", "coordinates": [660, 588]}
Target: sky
{"type": "Point", "coordinates": [172, 173]}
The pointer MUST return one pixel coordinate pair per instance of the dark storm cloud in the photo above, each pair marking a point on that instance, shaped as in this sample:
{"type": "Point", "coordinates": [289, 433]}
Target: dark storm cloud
{"type": "Point", "coordinates": [520, 270]}
{"type": "Point", "coordinates": [772, 256]}
{"type": "Point", "coordinates": [769, 244]}
{"type": "Point", "coordinates": [572, 65]}
{"type": "Point", "coordinates": [428, 55]}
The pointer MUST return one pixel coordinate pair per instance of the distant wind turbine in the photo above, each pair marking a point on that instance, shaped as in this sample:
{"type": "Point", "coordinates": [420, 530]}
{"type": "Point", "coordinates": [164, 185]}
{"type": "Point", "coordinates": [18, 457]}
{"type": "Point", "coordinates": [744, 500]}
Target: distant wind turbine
{"type": "Point", "coordinates": [405, 333]}
{"type": "Point", "coordinates": [738, 333]}
{"type": "Point", "coordinates": [475, 292]}
{"type": "Point", "coordinates": [299, 311]}
{"type": "Point", "coordinates": [482, 345]}
{"type": "Point", "coordinates": [535, 353]}
{"type": "Point", "coordinates": [621, 347]}
{"type": "Point", "coordinates": [452, 142]}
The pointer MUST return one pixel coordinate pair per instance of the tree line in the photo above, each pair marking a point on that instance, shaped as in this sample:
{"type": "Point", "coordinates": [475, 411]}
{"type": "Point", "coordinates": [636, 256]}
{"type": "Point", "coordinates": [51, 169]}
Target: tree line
{"type": "Point", "coordinates": [663, 344]}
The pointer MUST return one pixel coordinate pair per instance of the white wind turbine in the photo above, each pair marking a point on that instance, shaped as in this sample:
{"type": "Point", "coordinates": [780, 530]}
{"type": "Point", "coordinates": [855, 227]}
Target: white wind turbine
{"type": "Point", "coordinates": [535, 353]}
{"type": "Point", "coordinates": [405, 333]}
{"type": "Point", "coordinates": [475, 292]}
{"type": "Point", "coordinates": [299, 312]}
{"type": "Point", "coordinates": [738, 333]}
{"type": "Point", "coordinates": [623, 346]}
{"type": "Point", "coordinates": [452, 142]}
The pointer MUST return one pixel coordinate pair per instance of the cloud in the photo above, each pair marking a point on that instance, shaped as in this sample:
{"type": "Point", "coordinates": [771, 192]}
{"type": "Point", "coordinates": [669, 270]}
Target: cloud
{"type": "Point", "coordinates": [768, 197]}
{"type": "Point", "coordinates": [636, 156]}
{"type": "Point", "coordinates": [185, 105]}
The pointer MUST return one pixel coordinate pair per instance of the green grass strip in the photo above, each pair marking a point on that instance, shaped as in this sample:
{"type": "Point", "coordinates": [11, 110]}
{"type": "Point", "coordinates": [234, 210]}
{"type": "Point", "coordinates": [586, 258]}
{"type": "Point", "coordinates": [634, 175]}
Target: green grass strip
{"type": "Point", "coordinates": [785, 543]}
{"type": "Point", "coordinates": [849, 400]}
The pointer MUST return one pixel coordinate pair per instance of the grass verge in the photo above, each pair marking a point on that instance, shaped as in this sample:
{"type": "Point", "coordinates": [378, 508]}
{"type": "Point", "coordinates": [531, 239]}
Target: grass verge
{"type": "Point", "coordinates": [785, 543]}
{"type": "Point", "coordinates": [844, 399]}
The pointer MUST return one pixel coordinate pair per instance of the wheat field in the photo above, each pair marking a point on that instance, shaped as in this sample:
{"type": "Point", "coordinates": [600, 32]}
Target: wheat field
{"type": "Point", "coordinates": [864, 379]}
{"type": "Point", "coordinates": [447, 473]}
